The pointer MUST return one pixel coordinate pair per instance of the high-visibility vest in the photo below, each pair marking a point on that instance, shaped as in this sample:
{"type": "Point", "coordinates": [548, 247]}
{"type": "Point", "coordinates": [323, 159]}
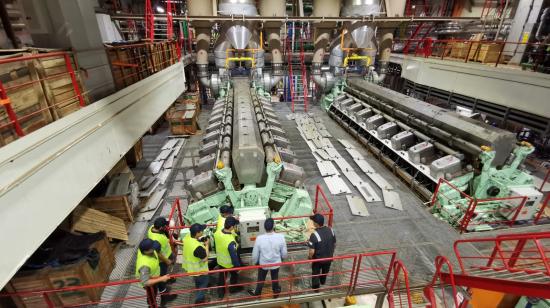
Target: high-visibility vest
{"type": "Point", "coordinates": [165, 247]}
{"type": "Point", "coordinates": [152, 262]}
{"type": "Point", "coordinates": [192, 264]}
{"type": "Point", "coordinates": [222, 241]}
{"type": "Point", "coordinates": [220, 224]}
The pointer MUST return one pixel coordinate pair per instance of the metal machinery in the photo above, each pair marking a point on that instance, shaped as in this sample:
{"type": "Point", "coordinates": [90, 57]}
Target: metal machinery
{"type": "Point", "coordinates": [245, 161]}
{"type": "Point", "coordinates": [423, 143]}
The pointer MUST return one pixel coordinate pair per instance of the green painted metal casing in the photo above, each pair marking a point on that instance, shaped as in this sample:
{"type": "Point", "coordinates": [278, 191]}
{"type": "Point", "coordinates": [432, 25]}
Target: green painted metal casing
{"type": "Point", "coordinates": [490, 183]}
{"type": "Point", "coordinates": [276, 199]}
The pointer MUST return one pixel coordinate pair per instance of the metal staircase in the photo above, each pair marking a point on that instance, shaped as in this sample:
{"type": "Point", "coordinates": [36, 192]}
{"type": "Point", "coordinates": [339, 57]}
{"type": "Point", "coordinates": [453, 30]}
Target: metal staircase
{"type": "Point", "coordinates": [159, 28]}
{"type": "Point", "coordinates": [297, 73]}
{"type": "Point", "coordinates": [517, 264]}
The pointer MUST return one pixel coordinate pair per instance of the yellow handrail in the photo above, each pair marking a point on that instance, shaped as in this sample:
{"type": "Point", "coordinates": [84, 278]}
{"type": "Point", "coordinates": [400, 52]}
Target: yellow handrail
{"type": "Point", "coordinates": [239, 59]}
{"type": "Point", "coordinates": [357, 57]}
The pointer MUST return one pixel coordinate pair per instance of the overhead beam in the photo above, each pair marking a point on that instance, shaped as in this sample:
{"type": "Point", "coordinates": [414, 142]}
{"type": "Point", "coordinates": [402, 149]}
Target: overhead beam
{"type": "Point", "coordinates": [46, 174]}
{"type": "Point", "coordinates": [396, 20]}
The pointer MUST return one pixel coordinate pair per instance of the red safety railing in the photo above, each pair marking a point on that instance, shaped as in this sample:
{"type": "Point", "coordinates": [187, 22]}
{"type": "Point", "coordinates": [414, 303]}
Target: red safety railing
{"type": "Point", "coordinates": [303, 67]}
{"type": "Point", "coordinates": [399, 289]}
{"type": "Point", "coordinates": [15, 120]}
{"type": "Point", "coordinates": [527, 252]}
{"type": "Point", "coordinates": [295, 280]}
{"type": "Point", "coordinates": [149, 21]}
{"type": "Point", "coordinates": [290, 52]}
{"type": "Point", "coordinates": [495, 212]}
{"type": "Point", "coordinates": [446, 290]}
{"type": "Point", "coordinates": [323, 206]}
{"type": "Point", "coordinates": [492, 52]}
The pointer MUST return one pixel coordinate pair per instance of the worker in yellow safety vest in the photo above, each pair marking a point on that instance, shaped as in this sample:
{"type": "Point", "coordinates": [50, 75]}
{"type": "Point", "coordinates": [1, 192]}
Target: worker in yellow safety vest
{"type": "Point", "coordinates": [225, 211]}
{"type": "Point", "coordinates": [227, 256]}
{"type": "Point", "coordinates": [148, 272]}
{"type": "Point", "coordinates": [228, 211]}
{"type": "Point", "coordinates": [159, 232]}
{"type": "Point", "coordinates": [195, 259]}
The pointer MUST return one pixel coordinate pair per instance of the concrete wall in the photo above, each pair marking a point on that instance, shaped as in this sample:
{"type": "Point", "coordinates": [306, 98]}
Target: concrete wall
{"type": "Point", "coordinates": [72, 24]}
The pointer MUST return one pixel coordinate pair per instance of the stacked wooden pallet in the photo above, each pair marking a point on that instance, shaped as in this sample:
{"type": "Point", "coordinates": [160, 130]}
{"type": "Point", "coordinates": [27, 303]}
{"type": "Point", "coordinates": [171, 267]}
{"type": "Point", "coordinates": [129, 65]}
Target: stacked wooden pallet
{"type": "Point", "coordinates": [85, 219]}
{"type": "Point", "coordinates": [117, 206]}
{"type": "Point", "coordinates": [40, 91]}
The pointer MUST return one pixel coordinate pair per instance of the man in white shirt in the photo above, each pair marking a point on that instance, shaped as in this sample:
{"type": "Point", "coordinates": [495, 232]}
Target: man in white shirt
{"type": "Point", "coordinates": [269, 248]}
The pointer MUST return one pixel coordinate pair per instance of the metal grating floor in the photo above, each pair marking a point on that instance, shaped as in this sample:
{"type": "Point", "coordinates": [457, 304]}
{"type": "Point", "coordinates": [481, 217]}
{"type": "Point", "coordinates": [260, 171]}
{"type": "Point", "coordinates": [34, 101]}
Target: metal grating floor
{"type": "Point", "coordinates": [414, 232]}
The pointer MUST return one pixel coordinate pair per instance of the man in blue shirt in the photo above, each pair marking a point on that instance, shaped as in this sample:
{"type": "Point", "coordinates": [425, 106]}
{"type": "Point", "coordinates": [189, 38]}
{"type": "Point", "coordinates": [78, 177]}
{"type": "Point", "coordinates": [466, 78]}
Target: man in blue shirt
{"type": "Point", "coordinates": [269, 248]}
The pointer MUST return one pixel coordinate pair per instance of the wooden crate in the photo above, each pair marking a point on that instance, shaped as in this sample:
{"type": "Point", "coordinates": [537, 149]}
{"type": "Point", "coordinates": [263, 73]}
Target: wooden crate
{"type": "Point", "coordinates": [58, 86]}
{"type": "Point", "coordinates": [135, 154]}
{"type": "Point", "coordinates": [21, 81]}
{"type": "Point", "coordinates": [183, 122]}
{"type": "Point", "coordinates": [117, 206]}
{"type": "Point", "coordinates": [80, 273]}
{"type": "Point", "coordinates": [88, 220]}
{"type": "Point", "coordinates": [459, 49]}
{"type": "Point", "coordinates": [486, 53]}
{"type": "Point", "coordinates": [40, 92]}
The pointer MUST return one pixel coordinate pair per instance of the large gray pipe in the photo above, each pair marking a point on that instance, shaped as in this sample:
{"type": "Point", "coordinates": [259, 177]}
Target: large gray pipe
{"type": "Point", "coordinates": [274, 8]}
{"type": "Point", "coordinates": [203, 28]}
{"type": "Point", "coordinates": [385, 53]}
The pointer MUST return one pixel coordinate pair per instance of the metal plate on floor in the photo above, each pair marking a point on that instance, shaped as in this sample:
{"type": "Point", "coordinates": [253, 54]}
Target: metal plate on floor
{"type": "Point", "coordinates": [155, 166]}
{"type": "Point", "coordinates": [355, 154]}
{"type": "Point", "coordinates": [327, 168]}
{"type": "Point", "coordinates": [353, 177]}
{"type": "Point", "coordinates": [392, 199]}
{"type": "Point", "coordinates": [169, 144]}
{"type": "Point", "coordinates": [323, 154]}
{"type": "Point", "coordinates": [368, 193]}
{"type": "Point", "coordinates": [365, 166]}
{"type": "Point", "coordinates": [343, 165]}
{"type": "Point", "coordinates": [336, 185]}
{"type": "Point", "coordinates": [357, 206]}
{"type": "Point", "coordinates": [379, 180]}
{"type": "Point", "coordinates": [346, 144]}
{"type": "Point", "coordinates": [332, 152]}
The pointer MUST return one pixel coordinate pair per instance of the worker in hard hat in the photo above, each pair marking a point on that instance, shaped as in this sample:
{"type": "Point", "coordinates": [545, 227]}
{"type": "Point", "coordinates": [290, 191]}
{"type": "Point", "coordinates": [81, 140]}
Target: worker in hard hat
{"type": "Point", "coordinates": [227, 256]}
{"type": "Point", "coordinates": [148, 272]}
{"type": "Point", "coordinates": [159, 232]}
{"type": "Point", "coordinates": [195, 259]}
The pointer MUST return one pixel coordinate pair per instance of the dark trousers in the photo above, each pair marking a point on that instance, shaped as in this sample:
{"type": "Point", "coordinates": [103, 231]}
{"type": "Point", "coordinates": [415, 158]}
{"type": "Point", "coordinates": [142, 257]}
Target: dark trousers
{"type": "Point", "coordinates": [233, 279]}
{"type": "Point", "coordinates": [163, 271]}
{"type": "Point", "coordinates": [262, 274]}
{"type": "Point", "coordinates": [152, 295]}
{"type": "Point", "coordinates": [201, 282]}
{"type": "Point", "coordinates": [321, 269]}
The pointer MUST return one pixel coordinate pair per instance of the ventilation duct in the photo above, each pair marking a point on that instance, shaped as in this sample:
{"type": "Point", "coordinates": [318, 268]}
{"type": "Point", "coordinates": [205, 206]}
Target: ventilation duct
{"type": "Point", "coordinates": [237, 7]}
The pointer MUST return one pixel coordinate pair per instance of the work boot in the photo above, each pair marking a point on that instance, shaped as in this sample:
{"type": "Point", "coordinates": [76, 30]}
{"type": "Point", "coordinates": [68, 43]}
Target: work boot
{"type": "Point", "coordinates": [252, 292]}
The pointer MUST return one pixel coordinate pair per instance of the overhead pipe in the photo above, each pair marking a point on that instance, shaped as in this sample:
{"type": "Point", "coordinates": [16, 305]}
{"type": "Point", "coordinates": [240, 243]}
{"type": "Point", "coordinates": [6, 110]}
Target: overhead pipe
{"type": "Point", "coordinates": [273, 8]}
{"type": "Point", "coordinates": [203, 30]}
{"type": "Point", "coordinates": [323, 8]}
{"type": "Point", "coordinates": [385, 54]}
